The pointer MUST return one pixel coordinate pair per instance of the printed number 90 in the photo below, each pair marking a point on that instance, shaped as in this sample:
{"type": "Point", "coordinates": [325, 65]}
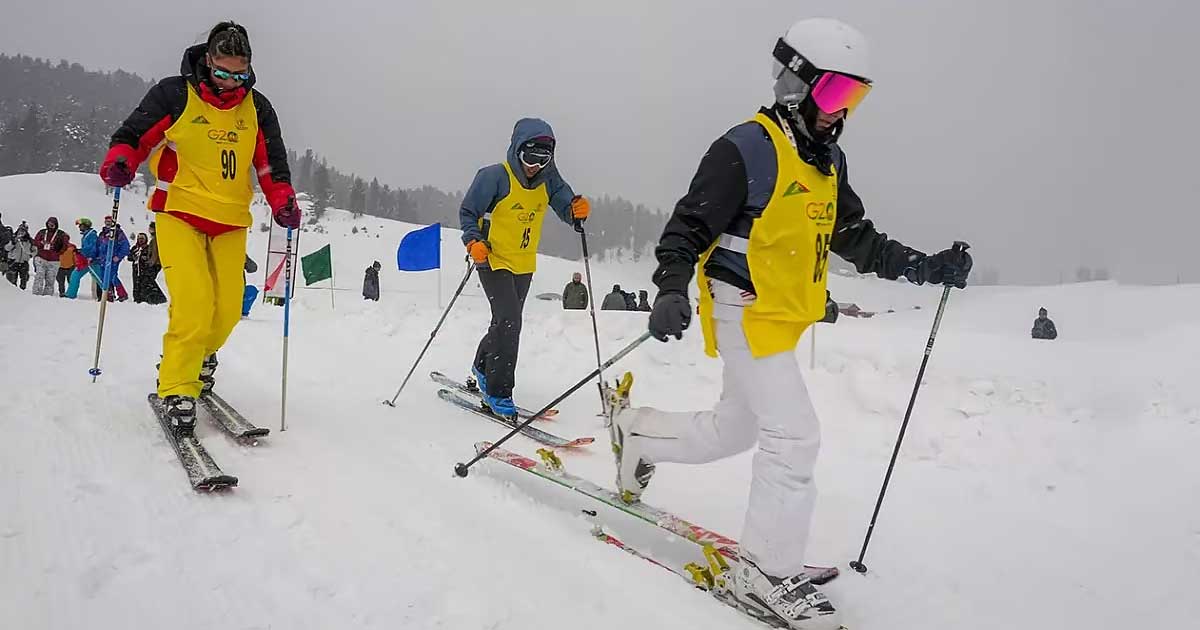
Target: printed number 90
{"type": "Point", "coordinates": [228, 164]}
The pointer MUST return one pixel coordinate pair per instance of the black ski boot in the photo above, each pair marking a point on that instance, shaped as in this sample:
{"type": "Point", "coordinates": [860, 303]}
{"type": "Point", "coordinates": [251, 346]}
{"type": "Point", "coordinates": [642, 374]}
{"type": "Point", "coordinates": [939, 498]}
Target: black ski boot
{"type": "Point", "coordinates": [181, 411]}
{"type": "Point", "coordinates": [208, 373]}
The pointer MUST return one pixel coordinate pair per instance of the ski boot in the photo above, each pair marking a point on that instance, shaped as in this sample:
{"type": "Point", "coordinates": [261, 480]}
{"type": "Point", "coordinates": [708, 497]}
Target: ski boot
{"type": "Point", "coordinates": [633, 472]}
{"type": "Point", "coordinates": [502, 406]}
{"type": "Point", "coordinates": [208, 373]}
{"type": "Point", "coordinates": [476, 381]}
{"type": "Point", "coordinates": [181, 411]}
{"type": "Point", "coordinates": [793, 600]}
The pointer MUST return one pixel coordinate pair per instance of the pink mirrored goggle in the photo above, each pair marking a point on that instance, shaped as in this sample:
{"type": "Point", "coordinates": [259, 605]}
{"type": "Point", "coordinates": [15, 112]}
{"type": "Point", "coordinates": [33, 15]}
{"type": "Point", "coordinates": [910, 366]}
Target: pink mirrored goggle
{"type": "Point", "coordinates": [834, 92]}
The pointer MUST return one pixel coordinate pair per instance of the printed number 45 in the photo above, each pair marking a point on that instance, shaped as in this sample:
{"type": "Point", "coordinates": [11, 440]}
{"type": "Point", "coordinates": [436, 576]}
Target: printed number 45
{"type": "Point", "coordinates": [228, 164]}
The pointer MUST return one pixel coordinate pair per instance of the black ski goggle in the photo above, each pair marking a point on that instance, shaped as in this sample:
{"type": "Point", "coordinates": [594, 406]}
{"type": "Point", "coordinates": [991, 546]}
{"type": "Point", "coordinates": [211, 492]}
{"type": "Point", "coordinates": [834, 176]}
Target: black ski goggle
{"type": "Point", "coordinates": [535, 155]}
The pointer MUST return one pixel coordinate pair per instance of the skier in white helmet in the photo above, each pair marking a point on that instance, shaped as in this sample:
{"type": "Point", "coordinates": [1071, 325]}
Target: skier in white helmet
{"type": "Point", "coordinates": [769, 201]}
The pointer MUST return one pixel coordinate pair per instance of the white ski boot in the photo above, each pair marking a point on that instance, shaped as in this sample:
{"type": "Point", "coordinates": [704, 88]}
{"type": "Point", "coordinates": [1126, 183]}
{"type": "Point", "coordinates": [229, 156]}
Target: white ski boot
{"type": "Point", "coordinates": [633, 472]}
{"type": "Point", "coordinates": [794, 600]}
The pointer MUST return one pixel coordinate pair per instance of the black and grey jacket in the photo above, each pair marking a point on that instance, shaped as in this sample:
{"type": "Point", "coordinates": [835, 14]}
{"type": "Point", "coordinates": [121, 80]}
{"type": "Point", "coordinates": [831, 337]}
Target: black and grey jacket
{"type": "Point", "coordinates": [732, 187]}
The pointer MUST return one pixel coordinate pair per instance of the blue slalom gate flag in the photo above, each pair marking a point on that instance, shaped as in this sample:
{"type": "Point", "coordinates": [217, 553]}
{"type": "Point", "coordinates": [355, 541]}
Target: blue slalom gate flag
{"type": "Point", "coordinates": [421, 250]}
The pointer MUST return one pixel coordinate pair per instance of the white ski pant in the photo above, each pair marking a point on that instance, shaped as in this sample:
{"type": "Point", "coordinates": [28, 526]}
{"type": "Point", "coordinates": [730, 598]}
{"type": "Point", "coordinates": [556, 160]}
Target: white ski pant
{"type": "Point", "coordinates": [44, 273]}
{"type": "Point", "coordinates": [763, 400]}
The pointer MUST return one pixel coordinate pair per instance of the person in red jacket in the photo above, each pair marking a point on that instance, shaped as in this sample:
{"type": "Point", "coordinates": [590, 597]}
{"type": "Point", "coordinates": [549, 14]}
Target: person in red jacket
{"type": "Point", "coordinates": [50, 243]}
{"type": "Point", "coordinates": [204, 132]}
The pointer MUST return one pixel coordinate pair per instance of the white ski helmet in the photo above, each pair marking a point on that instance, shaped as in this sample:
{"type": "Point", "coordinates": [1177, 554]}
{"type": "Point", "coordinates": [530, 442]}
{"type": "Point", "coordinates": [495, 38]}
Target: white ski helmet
{"type": "Point", "coordinates": [821, 58]}
{"type": "Point", "coordinates": [830, 45]}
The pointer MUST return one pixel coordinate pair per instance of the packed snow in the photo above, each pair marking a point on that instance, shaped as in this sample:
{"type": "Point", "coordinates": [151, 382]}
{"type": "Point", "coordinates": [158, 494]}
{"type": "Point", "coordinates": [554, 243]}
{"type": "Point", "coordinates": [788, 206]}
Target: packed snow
{"type": "Point", "coordinates": [1041, 484]}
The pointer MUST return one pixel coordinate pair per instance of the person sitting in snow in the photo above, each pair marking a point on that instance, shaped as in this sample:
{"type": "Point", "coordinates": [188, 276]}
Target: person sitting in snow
{"type": "Point", "coordinates": [1043, 326]}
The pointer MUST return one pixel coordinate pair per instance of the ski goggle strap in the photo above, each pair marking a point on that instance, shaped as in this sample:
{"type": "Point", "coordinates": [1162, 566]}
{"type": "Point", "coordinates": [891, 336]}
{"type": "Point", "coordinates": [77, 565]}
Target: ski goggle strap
{"type": "Point", "coordinates": [831, 91]}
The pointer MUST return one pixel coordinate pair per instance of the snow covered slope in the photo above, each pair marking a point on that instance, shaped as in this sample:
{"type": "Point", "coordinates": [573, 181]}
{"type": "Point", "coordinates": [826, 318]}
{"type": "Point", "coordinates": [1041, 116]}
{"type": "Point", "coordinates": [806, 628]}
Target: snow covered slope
{"type": "Point", "coordinates": [1042, 485]}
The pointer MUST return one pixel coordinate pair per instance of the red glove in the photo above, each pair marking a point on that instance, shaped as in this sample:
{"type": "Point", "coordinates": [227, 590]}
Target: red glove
{"type": "Point", "coordinates": [115, 171]}
{"type": "Point", "coordinates": [479, 251]}
{"type": "Point", "coordinates": [288, 215]}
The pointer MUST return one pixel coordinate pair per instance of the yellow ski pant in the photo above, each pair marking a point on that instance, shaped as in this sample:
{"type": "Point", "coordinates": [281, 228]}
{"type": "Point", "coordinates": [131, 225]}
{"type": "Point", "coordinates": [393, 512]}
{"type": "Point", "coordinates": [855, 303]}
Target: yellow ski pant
{"type": "Point", "coordinates": [205, 279]}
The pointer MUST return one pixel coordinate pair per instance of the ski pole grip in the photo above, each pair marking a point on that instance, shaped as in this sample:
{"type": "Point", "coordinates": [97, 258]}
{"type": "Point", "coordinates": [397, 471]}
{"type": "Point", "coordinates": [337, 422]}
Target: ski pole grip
{"type": "Point", "coordinates": [578, 225]}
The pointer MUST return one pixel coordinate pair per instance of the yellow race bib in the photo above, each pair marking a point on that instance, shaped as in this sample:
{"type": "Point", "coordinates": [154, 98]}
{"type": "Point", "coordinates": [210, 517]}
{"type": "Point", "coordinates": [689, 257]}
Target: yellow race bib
{"type": "Point", "coordinates": [206, 164]}
{"type": "Point", "coordinates": [516, 226]}
{"type": "Point", "coordinates": [787, 252]}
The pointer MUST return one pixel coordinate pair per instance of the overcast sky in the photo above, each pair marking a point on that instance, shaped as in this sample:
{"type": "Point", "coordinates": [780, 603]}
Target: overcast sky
{"type": "Point", "coordinates": [1048, 133]}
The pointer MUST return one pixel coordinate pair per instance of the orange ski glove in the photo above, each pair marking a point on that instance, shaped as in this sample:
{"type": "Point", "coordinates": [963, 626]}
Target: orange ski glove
{"type": "Point", "coordinates": [479, 251]}
{"type": "Point", "coordinates": [580, 207]}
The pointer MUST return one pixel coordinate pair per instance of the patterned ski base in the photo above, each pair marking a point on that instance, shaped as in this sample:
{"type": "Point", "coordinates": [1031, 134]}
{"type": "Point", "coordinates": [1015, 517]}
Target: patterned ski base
{"type": "Point", "coordinates": [538, 435]}
{"type": "Point", "coordinates": [446, 381]}
{"type": "Point", "coordinates": [202, 471]}
{"type": "Point", "coordinates": [725, 546]}
{"type": "Point", "coordinates": [229, 419]}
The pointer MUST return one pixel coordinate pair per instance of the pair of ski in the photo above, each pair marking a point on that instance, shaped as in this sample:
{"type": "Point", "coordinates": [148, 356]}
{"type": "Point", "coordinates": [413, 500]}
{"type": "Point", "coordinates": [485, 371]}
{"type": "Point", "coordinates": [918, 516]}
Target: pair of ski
{"type": "Point", "coordinates": [696, 554]}
{"type": "Point", "coordinates": [202, 471]}
{"type": "Point", "coordinates": [468, 396]}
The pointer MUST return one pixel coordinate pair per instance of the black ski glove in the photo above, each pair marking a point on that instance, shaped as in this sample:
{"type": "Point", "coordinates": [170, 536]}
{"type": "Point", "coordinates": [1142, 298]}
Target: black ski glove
{"type": "Point", "coordinates": [949, 267]}
{"type": "Point", "coordinates": [671, 315]}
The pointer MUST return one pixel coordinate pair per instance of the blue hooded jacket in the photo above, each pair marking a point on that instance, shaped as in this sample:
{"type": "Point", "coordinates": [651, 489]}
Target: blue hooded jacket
{"type": "Point", "coordinates": [96, 251]}
{"type": "Point", "coordinates": [491, 182]}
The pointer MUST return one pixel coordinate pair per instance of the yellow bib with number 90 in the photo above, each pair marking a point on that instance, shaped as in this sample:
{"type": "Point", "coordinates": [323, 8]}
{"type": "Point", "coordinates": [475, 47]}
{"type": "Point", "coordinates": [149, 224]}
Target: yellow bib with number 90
{"type": "Point", "coordinates": [205, 166]}
{"type": "Point", "coordinates": [516, 226]}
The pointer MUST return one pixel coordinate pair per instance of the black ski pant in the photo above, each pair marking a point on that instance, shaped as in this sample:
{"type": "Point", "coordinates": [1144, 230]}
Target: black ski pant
{"type": "Point", "coordinates": [497, 353]}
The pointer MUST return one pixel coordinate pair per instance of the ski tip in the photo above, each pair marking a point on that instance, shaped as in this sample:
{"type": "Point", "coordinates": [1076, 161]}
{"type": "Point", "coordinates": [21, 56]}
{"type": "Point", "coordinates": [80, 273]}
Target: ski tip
{"type": "Point", "coordinates": [578, 442]}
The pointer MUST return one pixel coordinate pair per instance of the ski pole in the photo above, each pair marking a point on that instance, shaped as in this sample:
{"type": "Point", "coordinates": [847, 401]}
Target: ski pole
{"type": "Point", "coordinates": [457, 292]}
{"type": "Point", "coordinates": [287, 319]}
{"type": "Point", "coordinates": [587, 269]}
{"type": "Point", "coordinates": [95, 371]}
{"type": "Point", "coordinates": [858, 565]}
{"type": "Point", "coordinates": [461, 469]}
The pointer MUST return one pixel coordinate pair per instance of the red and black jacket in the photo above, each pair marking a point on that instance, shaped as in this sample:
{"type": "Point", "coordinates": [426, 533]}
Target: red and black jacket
{"type": "Point", "coordinates": [144, 129]}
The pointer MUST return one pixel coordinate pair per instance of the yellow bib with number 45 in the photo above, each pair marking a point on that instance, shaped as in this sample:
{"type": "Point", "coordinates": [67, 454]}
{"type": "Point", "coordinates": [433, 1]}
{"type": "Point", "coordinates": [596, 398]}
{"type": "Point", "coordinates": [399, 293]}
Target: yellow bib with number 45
{"type": "Point", "coordinates": [516, 226]}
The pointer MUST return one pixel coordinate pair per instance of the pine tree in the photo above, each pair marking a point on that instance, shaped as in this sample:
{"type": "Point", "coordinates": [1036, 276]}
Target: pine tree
{"type": "Point", "coordinates": [358, 197]}
{"type": "Point", "coordinates": [322, 191]}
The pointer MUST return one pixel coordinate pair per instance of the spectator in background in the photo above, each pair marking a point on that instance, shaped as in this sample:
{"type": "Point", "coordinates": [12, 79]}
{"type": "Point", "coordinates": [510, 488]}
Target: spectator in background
{"type": "Point", "coordinates": [50, 243]}
{"type": "Point", "coordinates": [630, 301]}
{"type": "Point", "coordinates": [19, 251]}
{"type": "Point", "coordinates": [87, 240]}
{"type": "Point", "coordinates": [250, 292]}
{"type": "Point", "coordinates": [643, 301]}
{"type": "Point", "coordinates": [1043, 326]}
{"type": "Point", "coordinates": [371, 282]}
{"type": "Point", "coordinates": [575, 295]}
{"type": "Point", "coordinates": [614, 301]}
{"type": "Point", "coordinates": [6, 236]}
{"type": "Point", "coordinates": [99, 250]}
{"type": "Point", "coordinates": [66, 265]}
{"type": "Point", "coordinates": [145, 287]}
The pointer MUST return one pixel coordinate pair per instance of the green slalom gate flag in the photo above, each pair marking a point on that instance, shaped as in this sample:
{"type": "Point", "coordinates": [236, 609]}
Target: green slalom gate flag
{"type": "Point", "coordinates": [317, 266]}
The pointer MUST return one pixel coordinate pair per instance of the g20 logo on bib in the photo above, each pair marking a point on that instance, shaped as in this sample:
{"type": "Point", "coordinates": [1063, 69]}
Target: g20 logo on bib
{"type": "Point", "coordinates": [820, 212]}
{"type": "Point", "coordinates": [222, 136]}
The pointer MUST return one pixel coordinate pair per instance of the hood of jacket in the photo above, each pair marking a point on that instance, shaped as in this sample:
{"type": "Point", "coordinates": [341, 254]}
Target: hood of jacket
{"type": "Point", "coordinates": [525, 130]}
